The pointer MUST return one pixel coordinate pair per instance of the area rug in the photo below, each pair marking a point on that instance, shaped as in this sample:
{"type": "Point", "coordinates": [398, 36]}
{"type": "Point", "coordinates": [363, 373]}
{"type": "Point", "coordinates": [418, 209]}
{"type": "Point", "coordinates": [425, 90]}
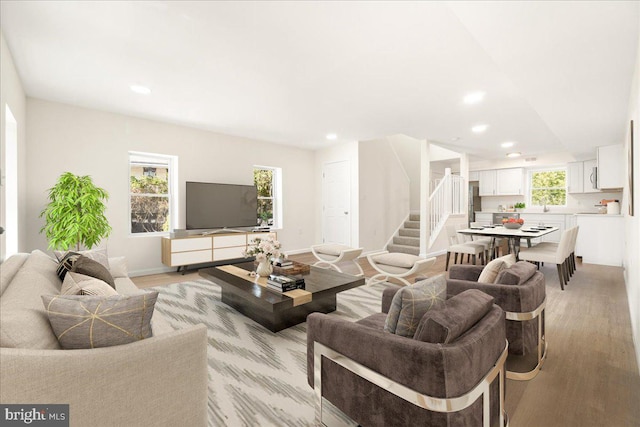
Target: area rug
{"type": "Point", "coordinates": [256, 377]}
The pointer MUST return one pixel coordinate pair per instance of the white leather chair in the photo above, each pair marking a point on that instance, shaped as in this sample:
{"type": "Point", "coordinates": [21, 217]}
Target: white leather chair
{"type": "Point", "coordinates": [558, 254]}
{"type": "Point", "coordinates": [465, 248]}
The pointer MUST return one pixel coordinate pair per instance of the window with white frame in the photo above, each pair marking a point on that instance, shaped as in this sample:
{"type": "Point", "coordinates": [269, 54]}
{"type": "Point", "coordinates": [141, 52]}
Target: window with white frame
{"type": "Point", "coordinates": [268, 182]}
{"type": "Point", "coordinates": [548, 187]}
{"type": "Point", "coordinates": [152, 192]}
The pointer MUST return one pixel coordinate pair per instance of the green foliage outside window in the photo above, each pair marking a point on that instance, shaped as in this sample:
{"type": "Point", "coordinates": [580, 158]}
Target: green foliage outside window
{"type": "Point", "coordinates": [549, 187]}
{"type": "Point", "coordinates": [263, 179]}
{"type": "Point", "coordinates": [149, 203]}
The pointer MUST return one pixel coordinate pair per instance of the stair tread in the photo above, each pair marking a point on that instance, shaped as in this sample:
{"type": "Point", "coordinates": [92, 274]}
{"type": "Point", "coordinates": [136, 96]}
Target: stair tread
{"type": "Point", "coordinates": [392, 247]}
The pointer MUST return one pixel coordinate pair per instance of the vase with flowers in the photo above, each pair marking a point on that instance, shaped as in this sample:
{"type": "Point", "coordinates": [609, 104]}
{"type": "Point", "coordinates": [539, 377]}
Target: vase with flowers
{"type": "Point", "coordinates": [264, 250]}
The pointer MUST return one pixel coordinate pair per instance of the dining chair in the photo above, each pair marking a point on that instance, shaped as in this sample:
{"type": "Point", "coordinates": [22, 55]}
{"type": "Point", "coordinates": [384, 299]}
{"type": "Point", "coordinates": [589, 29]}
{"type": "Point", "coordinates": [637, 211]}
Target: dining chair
{"type": "Point", "coordinates": [554, 254]}
{"type": "Point", "coordinates": [463, 248]}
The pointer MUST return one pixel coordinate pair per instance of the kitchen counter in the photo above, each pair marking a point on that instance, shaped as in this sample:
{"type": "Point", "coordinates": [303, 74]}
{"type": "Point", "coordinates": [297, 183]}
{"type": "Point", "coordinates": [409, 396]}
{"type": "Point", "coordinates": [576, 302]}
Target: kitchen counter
{"type": "Point", "coordinates": [597, 214]}
{"type": "Point", "coordinates": [600, 238]}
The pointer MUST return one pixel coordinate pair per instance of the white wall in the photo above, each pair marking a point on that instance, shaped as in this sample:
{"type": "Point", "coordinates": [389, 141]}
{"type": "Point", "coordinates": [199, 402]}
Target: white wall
{"type": "Point", "coordinates": [88, 142]}
{"type": "Point", "coordinates": [408, 151]}
{"type": "Point", "coordinates": [336, 153]}
{"type": "Point", "coordinates": [12, 94]}
{"type": "Point", "coordinates": [632, 223]}
{"type": "Point", "coordinates": [384, 193]}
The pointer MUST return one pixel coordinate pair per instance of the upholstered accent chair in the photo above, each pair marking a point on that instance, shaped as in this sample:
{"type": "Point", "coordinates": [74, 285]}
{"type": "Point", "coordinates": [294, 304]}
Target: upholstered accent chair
{"type": "Point", "coordinates": [520, 291]}
{"type": "Point", "coordinates": [445, 375]}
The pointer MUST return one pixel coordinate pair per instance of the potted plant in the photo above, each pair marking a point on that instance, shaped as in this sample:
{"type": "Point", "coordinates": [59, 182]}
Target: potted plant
{"type": "Point", "coordinates": [519, 205]}
{"type": "Point", "coordinates": [265, 250]}
{"type": "Point", "coordinates": [75, 213]}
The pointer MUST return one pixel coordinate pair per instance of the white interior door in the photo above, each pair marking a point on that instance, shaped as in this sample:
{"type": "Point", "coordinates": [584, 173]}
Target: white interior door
{"type": "Point", "coordinates": [336, 203]}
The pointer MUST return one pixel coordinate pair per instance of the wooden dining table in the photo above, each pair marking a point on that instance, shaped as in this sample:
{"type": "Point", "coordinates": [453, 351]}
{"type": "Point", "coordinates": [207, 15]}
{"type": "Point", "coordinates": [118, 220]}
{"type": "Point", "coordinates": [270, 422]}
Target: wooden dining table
{"type": "Point", "coordinates": [513, 236]}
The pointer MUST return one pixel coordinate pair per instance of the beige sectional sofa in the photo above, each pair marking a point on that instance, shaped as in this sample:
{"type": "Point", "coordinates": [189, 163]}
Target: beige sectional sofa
{"type": "Point", "coordinates": [159, 381]}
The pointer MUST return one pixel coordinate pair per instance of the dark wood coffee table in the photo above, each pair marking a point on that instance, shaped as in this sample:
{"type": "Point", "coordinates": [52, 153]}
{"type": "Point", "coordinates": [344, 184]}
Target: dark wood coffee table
{"type": "Point", "coordinates": [273, 310]}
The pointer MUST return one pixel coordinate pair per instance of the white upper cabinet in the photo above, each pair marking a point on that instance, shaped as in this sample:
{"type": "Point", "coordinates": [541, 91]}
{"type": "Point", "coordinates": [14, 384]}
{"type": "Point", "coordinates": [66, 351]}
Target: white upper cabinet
{"type": "Point", "coordinates": [502, 182]}
{"type": "Point", "coordinates": [589, 176]}
{"type": "Point", "coordinates": [575, 177]}
{"type": "Point", "coordinates": [509, 182]}
{"type": "Point", "coordinates": [487, 183]}
{"type": "Point", "coordinates": [611, 166]}
{"type": "Point", "coordinates": [474, 175]}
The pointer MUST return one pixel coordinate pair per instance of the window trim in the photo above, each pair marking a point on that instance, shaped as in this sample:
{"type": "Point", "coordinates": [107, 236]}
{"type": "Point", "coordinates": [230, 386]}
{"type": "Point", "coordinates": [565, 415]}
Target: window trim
{"type": "Point", "coordinates": [276, 195]}
{"type": "Point", "coordinates": [172, 162]}
{"type": "Point", "coordinates": [530, 188]}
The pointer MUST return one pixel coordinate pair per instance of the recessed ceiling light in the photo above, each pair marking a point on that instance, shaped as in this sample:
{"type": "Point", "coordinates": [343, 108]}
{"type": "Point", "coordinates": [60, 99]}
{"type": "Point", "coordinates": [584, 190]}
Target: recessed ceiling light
{"type": "Point", "coordinates": [139, 89]}
{"type": "Point", "coordinates": [479, 128]}
{"type": "Point", "coordinates": [331, 136]}
{"type": "Point", "coordinates": [514, 154]}
{"type": "Point", "coordinates": [507, 144]}
{"type": "Point", "coordinates": [473, 97]}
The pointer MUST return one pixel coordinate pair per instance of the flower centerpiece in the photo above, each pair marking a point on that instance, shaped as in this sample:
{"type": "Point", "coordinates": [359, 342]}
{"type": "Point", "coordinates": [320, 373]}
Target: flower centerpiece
{"type": "Point", "coordinates": [265, 250]}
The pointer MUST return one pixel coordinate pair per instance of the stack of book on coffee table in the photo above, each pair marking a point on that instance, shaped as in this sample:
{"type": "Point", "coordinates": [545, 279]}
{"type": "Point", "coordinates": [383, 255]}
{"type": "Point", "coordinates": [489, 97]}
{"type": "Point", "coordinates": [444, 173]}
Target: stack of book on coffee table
{"type": "Point", "coordinates": [283, 283]}
{"type": "Point", "coordinates": [283, 263]}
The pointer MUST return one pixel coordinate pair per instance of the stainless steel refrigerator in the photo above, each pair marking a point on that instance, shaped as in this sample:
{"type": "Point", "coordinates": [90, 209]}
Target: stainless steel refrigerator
{"type": "Point", "coordinates": [475, 202]}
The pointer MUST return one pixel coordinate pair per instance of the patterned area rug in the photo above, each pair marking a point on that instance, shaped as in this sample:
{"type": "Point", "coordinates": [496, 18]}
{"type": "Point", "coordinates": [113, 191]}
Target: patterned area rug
{"type": "Point", "coordinates": [256, 377]}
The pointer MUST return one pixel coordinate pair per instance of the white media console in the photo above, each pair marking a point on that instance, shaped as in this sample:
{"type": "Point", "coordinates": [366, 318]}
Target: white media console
{"type": "Point", "coordinates": [198, 249]}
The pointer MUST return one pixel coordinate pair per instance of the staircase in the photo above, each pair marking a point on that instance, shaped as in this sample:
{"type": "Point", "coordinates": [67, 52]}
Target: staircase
{"type": "Point", "coordinates": [408, 239]}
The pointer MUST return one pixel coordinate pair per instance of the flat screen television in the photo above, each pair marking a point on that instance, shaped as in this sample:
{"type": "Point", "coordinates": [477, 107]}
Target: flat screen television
{"type": "Point", "coordinates": [212, 205]}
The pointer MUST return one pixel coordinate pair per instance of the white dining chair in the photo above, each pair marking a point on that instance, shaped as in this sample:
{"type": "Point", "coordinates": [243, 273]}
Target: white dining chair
{"type": "Point", "coordinates": [463, 248]}
{"type": "Point", "coordinates": [558, 254]}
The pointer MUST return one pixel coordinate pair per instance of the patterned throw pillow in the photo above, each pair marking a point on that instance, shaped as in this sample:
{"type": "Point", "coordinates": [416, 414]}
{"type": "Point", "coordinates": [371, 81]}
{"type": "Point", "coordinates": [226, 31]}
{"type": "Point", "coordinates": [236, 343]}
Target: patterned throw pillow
{"type": "Point", "coordinates": [410, 303]}
{"type": "Point", "coordinates": [80, 284]}
{"type": "Point", "coordinates": [89, 267]}
{"type": "Point", "coordinates": [65, 264]}
{"type": "Point", "coordinates": [96, 321]}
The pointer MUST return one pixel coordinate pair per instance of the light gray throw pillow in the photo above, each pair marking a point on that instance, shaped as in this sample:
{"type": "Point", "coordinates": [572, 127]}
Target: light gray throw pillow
{"type": "Point", "coordinates": [410, 303]}
{"type": "Point", "coordinates": [80, 321]}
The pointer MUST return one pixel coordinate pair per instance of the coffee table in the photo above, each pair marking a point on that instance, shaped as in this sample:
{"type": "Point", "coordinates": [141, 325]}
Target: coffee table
{"type": "Point", "coordinates": [273, 310]}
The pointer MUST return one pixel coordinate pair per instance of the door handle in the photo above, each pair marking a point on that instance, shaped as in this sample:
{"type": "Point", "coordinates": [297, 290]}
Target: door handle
{"type": "Point", "coordinates": [346, 212]}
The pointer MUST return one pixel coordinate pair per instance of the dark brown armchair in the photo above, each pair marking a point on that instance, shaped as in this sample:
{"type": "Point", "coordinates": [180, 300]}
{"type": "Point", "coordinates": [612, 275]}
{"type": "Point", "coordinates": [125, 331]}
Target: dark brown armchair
{"type": "Point", "coordinates": [521, 293]}
{"type": "Point", "coordinates": [381, 379]}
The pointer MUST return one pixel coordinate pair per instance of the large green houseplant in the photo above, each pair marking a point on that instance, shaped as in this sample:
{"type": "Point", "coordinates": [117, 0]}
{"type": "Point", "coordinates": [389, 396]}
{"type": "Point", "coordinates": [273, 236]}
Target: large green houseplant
{"type": "Point", "coordinates": [75, 213]}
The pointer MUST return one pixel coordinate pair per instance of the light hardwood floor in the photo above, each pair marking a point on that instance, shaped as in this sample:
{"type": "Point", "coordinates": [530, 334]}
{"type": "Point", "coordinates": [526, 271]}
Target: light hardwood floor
{"type": "Point", "coordinates": [590, 377]}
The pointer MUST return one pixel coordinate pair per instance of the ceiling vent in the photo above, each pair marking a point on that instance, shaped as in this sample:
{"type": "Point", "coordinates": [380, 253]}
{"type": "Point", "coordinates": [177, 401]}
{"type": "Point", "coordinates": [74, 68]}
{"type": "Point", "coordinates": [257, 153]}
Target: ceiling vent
{"type": "Point", "coordinates": [530, 159]}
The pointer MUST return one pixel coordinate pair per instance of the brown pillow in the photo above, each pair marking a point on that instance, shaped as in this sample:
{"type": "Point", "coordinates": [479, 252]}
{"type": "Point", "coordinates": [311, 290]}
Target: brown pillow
{"type": "Point", "coordinates": [517, 274]}
{"type": "Point", "coordinates": [80, 284]}
{"type": "Point", "coordinates": [444, 324]}
{"type": "Point", "coordinates": [89, 267]}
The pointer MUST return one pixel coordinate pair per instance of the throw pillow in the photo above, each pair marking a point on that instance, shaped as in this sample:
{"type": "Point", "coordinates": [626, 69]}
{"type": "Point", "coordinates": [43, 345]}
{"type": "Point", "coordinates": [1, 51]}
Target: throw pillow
{"type": "Point", "coordinates": [66, 263]}
{"type": "Point", "coordinates": [410, 303]}
{"type": "Point", "coordinates": [454, 317]}
{"type": "Point", "coordinates": [491, 270]}
{"type": "Point", "coordinates": [517, 274]}
{"type": "Point", "coordinates": [118, 267]}
{"type": "Point", "coordinates": [80, 284]}
{"type": "Point", "coordinates": [89, 267]}
{"type": "Point", "coordinates": [97, 321]}
{"type": "Point", "coordinates": [99, 255]}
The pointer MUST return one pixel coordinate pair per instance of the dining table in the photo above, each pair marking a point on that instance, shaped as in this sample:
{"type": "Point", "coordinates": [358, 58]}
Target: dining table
{"type": "Point", "coordinates": [512, 235]}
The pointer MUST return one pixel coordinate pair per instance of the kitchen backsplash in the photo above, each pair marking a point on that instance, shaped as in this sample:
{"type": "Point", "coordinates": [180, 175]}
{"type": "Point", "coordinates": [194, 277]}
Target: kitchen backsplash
{"type": "Point", "coordinates": [575, 202]}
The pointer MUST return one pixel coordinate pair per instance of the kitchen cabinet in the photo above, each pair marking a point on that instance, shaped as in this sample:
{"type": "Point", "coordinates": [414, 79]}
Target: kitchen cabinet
{"type": "Point", "coordinates": [509, 182]}
{"type": "Point", "coordinates": [589, 176]}
{"type": "Point", "coordinates": [600, 239]}
{"type": "Point", "coordinates": [581, 177]}
{"type": "Point", "coordinates": [487, 183]}
{"type": "Point", "coordinates": [501, 182]}
{"type": "Point", "coordinates": [474, 175]}
{"type": "Point", "coordinates": [610, 166]}
{"type": "Point", "coordinates": [575, 177]}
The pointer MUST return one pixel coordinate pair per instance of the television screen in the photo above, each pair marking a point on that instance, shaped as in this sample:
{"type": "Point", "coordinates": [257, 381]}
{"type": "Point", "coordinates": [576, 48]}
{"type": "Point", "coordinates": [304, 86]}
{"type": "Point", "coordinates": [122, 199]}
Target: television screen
{"type": "Point", "coordinates": [211, 205]}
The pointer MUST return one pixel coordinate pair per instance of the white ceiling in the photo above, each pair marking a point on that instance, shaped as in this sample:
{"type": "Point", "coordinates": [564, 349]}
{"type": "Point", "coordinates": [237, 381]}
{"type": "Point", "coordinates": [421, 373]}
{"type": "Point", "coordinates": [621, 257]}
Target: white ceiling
{"type": "Point", "coordinates": [557, 75]}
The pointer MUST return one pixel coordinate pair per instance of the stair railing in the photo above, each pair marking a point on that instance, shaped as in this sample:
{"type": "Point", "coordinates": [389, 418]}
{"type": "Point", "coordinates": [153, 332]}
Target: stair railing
{"type": "Point", "coordinates": [445, 200]}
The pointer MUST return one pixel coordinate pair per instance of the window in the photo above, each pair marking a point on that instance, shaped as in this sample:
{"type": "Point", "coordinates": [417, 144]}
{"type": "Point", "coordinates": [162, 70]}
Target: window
{"type": "Point", "coordinates": [269, 185]}
{"type": "Point", "coordinates": [548, 186]}
{"type": "Point", "coordinates": [10, 184]}
{"type": "Point", "coordinates": [152, 185]}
